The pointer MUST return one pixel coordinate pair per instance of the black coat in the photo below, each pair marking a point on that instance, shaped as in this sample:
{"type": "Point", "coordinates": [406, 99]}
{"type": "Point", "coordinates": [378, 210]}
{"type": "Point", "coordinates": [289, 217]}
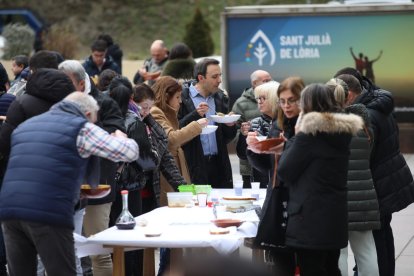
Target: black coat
{"type": "Point", "coordinates": [93, 70]}
{"type": "Point", "coordinates": [314, 166]}
{"type": "Point", "coordinates": [193, 149]}
{"type": "Point", "coordinates": [392, 177]}
{"type": "Point", "coordinates": [110, 119]}
{"type": "Point", "coordinates": [44, 88]}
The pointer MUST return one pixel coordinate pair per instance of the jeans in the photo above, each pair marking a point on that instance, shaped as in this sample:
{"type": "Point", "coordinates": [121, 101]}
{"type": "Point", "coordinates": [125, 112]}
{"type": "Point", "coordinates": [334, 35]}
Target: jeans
{"type": "Point", "coordinates": [24, 240]}
{"type": "Point", "coordinates": [363, 246]}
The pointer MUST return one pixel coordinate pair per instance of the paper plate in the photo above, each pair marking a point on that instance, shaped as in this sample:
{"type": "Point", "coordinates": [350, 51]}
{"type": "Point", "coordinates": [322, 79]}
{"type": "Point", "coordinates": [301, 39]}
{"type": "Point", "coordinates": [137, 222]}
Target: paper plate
{"type": "Point", "coordinates": [267, 144]}
{"type": "Point", "coordinates": [209, 129]}
{"type": "Point", "coordinates": [225, 118]}
{"type": "Point", "coordinates": [227, 222]}
{"type": "Point", "coordinates": [98, 192]}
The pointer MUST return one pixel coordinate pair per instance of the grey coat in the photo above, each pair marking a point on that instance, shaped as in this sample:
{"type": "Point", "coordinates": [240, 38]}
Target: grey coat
{"type": "Point", "coordinates": [363, 209]}
{"type": "Point", "coordinates": [246, 106]}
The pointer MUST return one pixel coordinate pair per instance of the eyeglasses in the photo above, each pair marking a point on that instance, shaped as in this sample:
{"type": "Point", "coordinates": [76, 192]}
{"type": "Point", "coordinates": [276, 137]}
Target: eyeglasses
{"type": "Point", "coordinates": [261, 98]}
{"type": "Point", "coordinates": [288, 102]}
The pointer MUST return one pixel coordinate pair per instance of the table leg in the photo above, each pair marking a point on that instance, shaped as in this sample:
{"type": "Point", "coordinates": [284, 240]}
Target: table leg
{"type": "Point", "coordinates": [149, 262]}
{"type": "Point", "coordinates": [118, 261]}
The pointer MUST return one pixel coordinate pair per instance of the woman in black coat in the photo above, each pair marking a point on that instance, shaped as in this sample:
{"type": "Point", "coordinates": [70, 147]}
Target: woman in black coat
{"type": "Point", "coordinates": [314, 166]}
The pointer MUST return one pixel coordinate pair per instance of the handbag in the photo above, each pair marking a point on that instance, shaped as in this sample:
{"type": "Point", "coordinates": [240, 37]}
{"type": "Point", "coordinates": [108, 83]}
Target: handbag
{"type": "Point", "coordinates": [272, 226]}
{"type": "Point", "coordinates": [129, 177]}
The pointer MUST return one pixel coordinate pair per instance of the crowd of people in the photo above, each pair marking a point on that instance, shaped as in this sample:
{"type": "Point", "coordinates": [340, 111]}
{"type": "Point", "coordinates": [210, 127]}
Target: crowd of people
{"type": "Point", "coordinates": [65, 123]}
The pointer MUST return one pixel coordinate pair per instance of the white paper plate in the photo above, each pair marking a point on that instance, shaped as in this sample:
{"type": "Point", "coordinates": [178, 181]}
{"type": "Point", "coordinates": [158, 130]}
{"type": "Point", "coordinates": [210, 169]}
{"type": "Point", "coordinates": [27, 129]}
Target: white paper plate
{"type": "Point", "coordinates": [209, 129]}
{"type": "Point", "coordinates": [261, 138]}
{"type": "Point", "coordinates": [224, 119]}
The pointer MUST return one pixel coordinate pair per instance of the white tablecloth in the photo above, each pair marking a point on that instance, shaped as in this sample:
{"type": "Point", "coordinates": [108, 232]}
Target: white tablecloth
{"type": "Point", "coordinates": [180, 228]}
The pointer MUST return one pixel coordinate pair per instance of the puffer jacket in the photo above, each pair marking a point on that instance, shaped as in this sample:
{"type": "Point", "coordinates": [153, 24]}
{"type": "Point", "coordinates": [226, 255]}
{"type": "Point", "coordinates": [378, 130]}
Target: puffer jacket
{"type": "Point", "coordinates": [44, 88]}
{"type": "Point", "coordinates": [392, 177]}
{"type": "Point", "coordinates": [314, 167]}
{"type": "Point", "coordinates": [363, 209]}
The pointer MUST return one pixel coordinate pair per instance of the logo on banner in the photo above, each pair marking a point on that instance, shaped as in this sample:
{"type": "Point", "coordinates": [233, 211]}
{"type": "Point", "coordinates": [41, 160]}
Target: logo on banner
{"type": "Point", "coordinates": [261, 48]}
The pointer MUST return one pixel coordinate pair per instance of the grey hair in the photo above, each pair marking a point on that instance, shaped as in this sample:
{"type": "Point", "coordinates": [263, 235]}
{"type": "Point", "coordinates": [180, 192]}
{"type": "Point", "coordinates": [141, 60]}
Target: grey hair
{"type": "Point", "coordinates": [253, 76]}
{"type": "Point", "coordinates": [269, 89]}
{"type": "Point", "coordinates": [74, 68]}
{"type": "Point", "coordinates": [85, 102]}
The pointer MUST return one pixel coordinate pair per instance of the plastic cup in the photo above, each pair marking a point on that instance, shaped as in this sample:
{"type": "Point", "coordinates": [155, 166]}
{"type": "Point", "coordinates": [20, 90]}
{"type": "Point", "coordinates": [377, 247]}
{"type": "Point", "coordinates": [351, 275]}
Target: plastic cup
{"type": "Point", "coordinates": [202, 199]}
{"type": "Point", "coordinates": [238, 188]}
{"type": "Point", "coordinates": [255, 190]}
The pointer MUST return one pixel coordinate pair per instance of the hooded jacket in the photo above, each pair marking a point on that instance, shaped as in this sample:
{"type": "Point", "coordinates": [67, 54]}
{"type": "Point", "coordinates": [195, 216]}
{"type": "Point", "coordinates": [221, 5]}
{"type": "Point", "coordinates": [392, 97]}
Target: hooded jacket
{"type": "Point", "coordinates": [44, 88]}
{"type": "Point", "coordinates": [392, 177]}
{"type": "Point", "coordinates": [314, 167]}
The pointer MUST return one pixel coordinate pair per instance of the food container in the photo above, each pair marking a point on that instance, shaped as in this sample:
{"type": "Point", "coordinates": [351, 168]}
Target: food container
{"type": "Point", "coordinates": [180, 199]}
{"type": "Point", "coordinates": [202, 189]}
{"type": "Point", "coordinates": [187, 188]}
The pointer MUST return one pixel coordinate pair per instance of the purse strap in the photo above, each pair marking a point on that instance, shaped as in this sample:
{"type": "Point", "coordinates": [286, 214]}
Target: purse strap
{"type": "Point", "coordinates": [274, 179]}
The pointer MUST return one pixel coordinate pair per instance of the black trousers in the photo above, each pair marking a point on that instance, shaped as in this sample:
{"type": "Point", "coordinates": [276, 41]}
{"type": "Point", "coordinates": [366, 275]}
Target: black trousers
{"type": "Point", "coordinates": [318, 262]}
{"type": "Point", "coordinates": [384, 242]}
{"type": "Point", "coordinates": [213, 169]}
{"type": "Point", "coordinates": [24, 240]}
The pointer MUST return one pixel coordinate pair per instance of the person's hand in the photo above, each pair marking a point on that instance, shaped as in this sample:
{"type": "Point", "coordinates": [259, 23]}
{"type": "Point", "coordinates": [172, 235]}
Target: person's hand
{"type": "Point", "coordinates": [119, 134]}
{"type": "Point", "coordinates": [244, 128]}
{"type": "Point", "coordinates": [276, 149]}
{"type": "Point", "coordinates": [202, 109]}
{"type": "Point", "coordinates": [203, 122]}
{"type": "Point", "coordinates": [251, 138]}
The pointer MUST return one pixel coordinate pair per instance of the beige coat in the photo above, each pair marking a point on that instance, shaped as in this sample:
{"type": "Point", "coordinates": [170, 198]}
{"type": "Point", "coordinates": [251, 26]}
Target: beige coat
{"type": "Point", "coordinates": [176, 138]}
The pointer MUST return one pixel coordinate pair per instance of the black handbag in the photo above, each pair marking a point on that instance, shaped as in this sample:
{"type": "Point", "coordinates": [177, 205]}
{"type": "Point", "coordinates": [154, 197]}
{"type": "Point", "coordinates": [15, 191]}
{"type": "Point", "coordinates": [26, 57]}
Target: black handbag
{"type": "Point", "coordinates": [129, 177]}
{"type": "Point", "coordinates": [272, 226]}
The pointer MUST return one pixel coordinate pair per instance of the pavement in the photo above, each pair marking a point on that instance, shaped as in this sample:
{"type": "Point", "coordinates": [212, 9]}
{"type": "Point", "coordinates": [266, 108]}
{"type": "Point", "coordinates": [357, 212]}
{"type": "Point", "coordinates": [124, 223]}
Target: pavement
{"type": "Point", "coordinates": [402, 224]}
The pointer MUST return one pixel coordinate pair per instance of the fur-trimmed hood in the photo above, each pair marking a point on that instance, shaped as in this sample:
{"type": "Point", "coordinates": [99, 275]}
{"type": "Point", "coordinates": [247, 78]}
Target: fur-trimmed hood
{"type": "Point", "coordinates": [330, 123]}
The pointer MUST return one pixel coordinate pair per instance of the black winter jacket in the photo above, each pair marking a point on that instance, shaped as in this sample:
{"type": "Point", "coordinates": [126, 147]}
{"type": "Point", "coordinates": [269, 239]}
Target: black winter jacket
{"type": "Point", "coordinates": [110, 119]}
{"type": "Point", "coordinates": [392, 177]}
{"type": "Point", "coordinates": [194, 151]}
{"type": "Point", "coordinates": [93, 70]}
{"type": "Point", "coordinates": [44, 88]}
{"type": "Point", "coordinates": [314, 167]}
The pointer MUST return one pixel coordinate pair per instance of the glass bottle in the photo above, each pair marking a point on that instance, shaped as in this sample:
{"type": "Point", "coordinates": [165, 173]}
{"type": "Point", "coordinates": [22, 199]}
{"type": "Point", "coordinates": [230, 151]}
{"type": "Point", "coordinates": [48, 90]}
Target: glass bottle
{"type": "Point", "coordinates": [125, 220]}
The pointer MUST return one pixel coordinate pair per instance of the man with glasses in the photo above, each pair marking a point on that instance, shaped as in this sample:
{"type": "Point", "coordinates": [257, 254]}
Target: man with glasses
{"type": "Point", "coordinates": [246, 106]}
{"type": "Point", "coordinates": [207, 156]}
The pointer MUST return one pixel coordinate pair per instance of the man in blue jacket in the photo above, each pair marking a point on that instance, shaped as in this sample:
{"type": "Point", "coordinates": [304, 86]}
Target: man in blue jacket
{"type": "Point", "coordinates": [49, 159]}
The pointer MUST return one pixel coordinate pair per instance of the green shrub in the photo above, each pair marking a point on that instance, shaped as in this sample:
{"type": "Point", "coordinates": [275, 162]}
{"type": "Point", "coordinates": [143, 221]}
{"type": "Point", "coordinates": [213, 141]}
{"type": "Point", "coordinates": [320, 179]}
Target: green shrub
{"type": "Point", "coordinates": [63, 40]}
{"type": "Point", "coordinates": [198, 36]}
{"type": "Point", "coordinates": [19, 40]}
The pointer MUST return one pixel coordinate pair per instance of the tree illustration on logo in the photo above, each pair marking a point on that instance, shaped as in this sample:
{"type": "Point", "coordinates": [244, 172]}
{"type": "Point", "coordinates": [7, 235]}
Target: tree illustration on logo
{"type": "Point", "coordinates": [260, 52]}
